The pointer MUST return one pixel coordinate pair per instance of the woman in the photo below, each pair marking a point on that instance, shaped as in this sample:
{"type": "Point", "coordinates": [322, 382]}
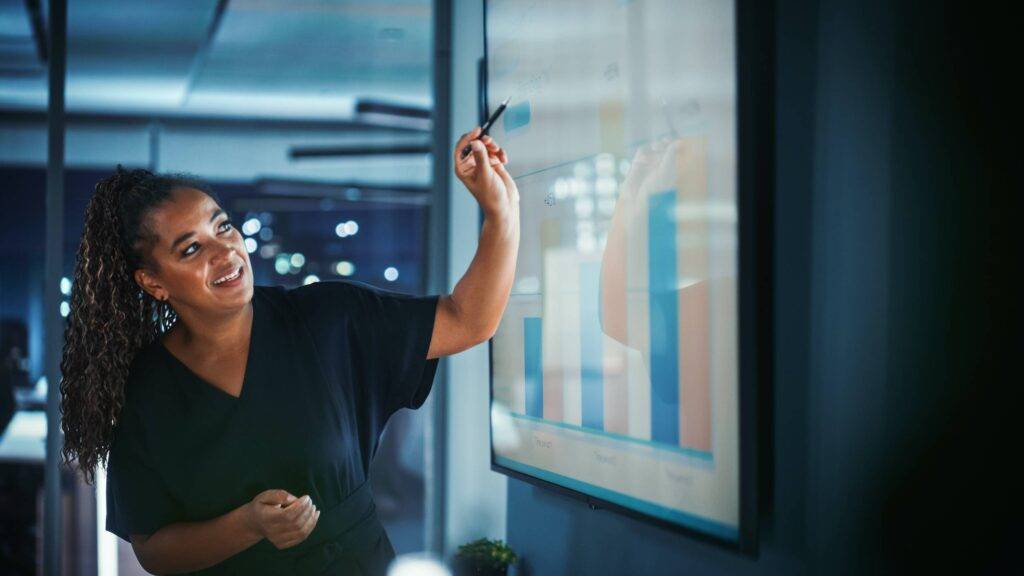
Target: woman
{"type": "Point", "coordinates": [238, 422]}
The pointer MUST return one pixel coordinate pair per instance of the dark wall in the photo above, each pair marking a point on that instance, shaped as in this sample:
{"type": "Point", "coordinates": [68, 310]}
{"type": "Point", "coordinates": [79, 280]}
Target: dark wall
{"type": "Point", "coordinates": [892, 324]}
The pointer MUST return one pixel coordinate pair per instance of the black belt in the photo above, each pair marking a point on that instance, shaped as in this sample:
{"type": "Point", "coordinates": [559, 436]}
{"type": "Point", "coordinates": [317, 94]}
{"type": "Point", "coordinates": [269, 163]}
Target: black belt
{"type": "Point", "coordinates": [350, 530]}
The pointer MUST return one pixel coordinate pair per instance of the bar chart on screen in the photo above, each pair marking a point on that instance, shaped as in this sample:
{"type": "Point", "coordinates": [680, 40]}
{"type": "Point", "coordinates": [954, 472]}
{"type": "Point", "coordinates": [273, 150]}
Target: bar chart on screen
{"type": "Point", "coordinates": [614, 368]}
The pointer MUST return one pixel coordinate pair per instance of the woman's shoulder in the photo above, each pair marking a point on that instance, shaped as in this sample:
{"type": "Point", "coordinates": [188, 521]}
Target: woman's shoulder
{"type": "Point", "coordinates": [146, 378]}
{"type": "Point", "coordinates": [325, 288]}
{"type": "Point", "coordinates": [322, 298]}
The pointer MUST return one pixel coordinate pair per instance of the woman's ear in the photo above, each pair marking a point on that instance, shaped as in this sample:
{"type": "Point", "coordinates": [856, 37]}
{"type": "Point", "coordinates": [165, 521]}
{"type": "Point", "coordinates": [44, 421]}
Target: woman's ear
{"type": "Point", "coordinates": [147, 282]}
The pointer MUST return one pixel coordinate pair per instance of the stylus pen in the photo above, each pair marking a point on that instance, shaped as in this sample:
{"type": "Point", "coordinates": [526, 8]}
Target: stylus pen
{"type": "Point", "coordinates": [487, 126]}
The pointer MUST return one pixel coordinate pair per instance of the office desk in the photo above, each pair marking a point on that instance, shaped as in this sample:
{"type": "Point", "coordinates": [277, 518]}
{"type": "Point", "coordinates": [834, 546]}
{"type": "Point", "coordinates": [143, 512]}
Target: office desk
{"type": "Point", "coordinates": [22, 465]}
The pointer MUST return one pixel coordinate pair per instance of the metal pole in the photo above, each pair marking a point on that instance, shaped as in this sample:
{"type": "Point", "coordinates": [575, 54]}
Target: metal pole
{"type": "Point", "coordinates": [51, 291]}
{"type": "Point", "coordinates": [436, 433]}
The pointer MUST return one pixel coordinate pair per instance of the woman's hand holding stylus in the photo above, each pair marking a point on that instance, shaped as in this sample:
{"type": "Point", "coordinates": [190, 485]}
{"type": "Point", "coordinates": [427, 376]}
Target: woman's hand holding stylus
{"type": "Point", "coordinates": [483, 172]}
{"type": "Point", "coordinates": [282, 518]}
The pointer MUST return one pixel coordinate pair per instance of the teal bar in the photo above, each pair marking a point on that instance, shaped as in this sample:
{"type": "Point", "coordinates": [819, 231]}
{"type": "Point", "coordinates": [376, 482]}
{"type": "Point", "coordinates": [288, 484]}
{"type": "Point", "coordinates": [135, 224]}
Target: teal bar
{"type": "Point", "coordinates": [591, 347]}
{"type": "Point", "coordinates": [533, 362]}
{"type": "Point", "coordinates": [664, 317]}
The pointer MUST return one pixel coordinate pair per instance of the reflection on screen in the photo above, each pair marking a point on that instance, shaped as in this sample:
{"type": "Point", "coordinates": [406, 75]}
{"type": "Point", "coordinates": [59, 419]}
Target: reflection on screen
{"type": "Point", "coordinates": [615, 366]}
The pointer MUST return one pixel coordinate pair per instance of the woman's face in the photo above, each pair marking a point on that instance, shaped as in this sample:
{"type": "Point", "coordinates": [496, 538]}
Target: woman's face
{"type": "Point", "coordinates": [196, 246]}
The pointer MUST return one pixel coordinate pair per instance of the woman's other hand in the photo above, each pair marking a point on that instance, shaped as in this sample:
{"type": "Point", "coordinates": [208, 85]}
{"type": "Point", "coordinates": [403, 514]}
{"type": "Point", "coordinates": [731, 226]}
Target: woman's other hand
{"type": "Point", "coordinates": [282, 518]}
{"type": "Point", "coordinates": [483, 172]}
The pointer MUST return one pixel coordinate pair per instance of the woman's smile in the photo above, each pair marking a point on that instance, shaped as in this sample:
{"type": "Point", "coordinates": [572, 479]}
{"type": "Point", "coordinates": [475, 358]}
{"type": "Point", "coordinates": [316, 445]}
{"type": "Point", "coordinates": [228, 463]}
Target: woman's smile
{"type": "Point", "coordinates": [231, 279]}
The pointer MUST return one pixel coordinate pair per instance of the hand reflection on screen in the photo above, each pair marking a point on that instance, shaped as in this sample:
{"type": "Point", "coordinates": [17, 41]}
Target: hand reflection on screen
{"type": "Point", "coordinates": [655, 168]}
{"type": "Point", "coordinates": [654, 284]}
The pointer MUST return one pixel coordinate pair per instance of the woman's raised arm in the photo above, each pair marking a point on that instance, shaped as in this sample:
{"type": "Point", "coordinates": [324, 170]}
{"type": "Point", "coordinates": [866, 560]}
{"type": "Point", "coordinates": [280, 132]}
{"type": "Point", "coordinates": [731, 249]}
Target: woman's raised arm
{"type": "Point", "coordinates": [471, 313]}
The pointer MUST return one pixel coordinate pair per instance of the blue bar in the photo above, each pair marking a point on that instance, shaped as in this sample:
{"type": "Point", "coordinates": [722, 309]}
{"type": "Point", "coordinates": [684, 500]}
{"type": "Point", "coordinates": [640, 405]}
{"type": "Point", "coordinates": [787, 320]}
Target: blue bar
{"type": "Point", "coordinates": [532, 359]}
{"type": "Point", "coordinates": [516, 116]}
{"type": "Point", "coordinates": [591, 353]}
{"type": "Point", "coordinates": [664, 317]}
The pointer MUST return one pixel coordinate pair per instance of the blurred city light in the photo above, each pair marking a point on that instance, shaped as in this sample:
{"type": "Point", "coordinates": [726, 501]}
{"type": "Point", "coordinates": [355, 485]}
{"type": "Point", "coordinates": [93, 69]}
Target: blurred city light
{"type": "Point", "coordinates": [344, 268]}
{"type": "Point", "coordinates": [251, 226]}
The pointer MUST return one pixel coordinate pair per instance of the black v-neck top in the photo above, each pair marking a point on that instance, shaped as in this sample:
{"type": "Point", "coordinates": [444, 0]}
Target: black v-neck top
{"type": "Point", "coordinates": [328, 364]}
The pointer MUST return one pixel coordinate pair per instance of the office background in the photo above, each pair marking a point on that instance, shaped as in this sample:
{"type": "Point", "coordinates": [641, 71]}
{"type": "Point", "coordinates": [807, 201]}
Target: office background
{"type": "Point", "coordinates": [893, 330]}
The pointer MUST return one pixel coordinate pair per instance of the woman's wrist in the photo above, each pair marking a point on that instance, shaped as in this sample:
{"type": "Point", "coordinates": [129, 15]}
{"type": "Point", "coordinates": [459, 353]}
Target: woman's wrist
{"type": "Point", "coordinates": [250, 527]}
{"type": "Point", "coordinates": [497, 216]}
{"type": "Point", "coordinates": [503, 221]}
{"type": "Point", "coordinates": [502, 213]}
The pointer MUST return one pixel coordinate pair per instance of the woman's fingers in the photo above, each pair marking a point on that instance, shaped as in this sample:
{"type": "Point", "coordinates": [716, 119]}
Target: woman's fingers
{"type": "Point", "coordinates": [302, 526]}
{"type": "Point", "coordinates": [276, 497]}
{"type": "Point", "coordinates": [492, 146]}
{"type": "Point", "coordinates": [307, 528]}
{"type": "Point", "coordinates": [292, 515]}
{"type": "Point", "coordinates": [493, 159]}
{"type": "Point", "coordinates": [486, 155]}
{"type": "Point", "coordinates": [474, 134]}
{"type": "Point", "coordinates": [303, 518]}
{"type": "Point", "coordinates": [479, 153]}
{"type": "Point", "coordinates": [298, 530]}
{"type": "Point", "coordinates": [463, 141]}
{"type": "Point", "coordinates": [467, 167]}
{"type": "Point", "coordinates": [510, 184]}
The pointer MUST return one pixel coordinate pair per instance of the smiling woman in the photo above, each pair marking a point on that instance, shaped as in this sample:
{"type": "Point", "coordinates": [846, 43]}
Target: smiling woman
{"type": "Point", "coordinates": [118, 238]}
{"type": "Point", "coordinates": [231, 415]}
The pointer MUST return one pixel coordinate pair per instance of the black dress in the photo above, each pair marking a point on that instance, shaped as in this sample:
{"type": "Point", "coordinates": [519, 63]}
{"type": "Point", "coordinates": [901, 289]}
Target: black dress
{"type": "Point", "coordinates": [328, 364]}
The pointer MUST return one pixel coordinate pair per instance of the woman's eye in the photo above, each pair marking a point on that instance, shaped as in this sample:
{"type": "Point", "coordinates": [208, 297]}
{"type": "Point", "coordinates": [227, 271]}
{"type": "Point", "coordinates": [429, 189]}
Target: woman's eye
{"type": "Point", "coordinates": [226, 223]}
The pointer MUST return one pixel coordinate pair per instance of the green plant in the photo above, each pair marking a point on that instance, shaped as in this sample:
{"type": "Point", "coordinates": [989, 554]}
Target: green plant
{"type": "Point", "coordinates": [485, 554]}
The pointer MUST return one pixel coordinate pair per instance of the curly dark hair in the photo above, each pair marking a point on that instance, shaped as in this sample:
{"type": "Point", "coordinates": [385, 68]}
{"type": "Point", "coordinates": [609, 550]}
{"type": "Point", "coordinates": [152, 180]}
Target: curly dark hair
{"type": "Point", "coordinates": [111, 316]}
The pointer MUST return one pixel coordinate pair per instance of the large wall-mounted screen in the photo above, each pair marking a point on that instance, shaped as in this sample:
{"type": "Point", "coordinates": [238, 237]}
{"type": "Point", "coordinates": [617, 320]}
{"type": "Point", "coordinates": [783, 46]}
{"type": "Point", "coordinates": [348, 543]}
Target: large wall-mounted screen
{"type": "Point", "coordinates": [615, 371]}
